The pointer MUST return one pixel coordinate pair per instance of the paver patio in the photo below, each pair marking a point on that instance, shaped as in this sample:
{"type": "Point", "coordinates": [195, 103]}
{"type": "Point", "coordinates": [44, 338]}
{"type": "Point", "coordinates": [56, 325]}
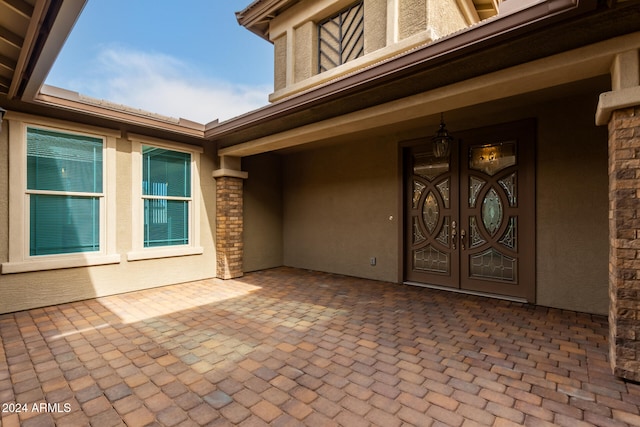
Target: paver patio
{"type": "Point", "coordinates": [287, 347]}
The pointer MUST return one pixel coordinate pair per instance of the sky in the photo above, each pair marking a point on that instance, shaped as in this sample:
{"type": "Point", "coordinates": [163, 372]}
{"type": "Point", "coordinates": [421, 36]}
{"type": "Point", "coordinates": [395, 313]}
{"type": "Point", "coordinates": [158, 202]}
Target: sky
{"type": "Point", "coordinates": [187, 59]}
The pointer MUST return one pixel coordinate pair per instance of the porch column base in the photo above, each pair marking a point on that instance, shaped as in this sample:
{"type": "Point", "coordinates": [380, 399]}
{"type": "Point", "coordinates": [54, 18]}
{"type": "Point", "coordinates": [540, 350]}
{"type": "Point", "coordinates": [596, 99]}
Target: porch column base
{"type": "Point", "coordinates": [229, 223]}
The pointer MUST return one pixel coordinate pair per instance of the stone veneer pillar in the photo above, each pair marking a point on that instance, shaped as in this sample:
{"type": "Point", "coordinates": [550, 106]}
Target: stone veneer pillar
{"type": "Point", "coordinates": [624, 236]}
{"type": "Point", "coordinates": [229, 220]}
{"type": "Point", "coordinates": [620, 110]}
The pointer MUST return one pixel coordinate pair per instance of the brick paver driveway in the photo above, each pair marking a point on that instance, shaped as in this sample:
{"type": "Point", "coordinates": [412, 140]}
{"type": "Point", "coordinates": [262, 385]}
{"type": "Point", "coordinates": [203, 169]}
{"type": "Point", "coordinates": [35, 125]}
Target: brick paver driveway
{"type": "Point", "coordinates": [287, 347]}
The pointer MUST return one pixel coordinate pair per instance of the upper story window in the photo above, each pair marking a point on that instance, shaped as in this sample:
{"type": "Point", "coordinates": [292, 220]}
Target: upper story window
{"type": "Point", "coordinates": [341, 37]}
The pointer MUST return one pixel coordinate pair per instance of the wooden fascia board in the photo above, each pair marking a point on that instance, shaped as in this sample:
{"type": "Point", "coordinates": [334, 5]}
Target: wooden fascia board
{"type": "Point", "coordinates": [35, 22]}
{"type": "Point", "coordinates": [469, 11]}
{"type": "Point", "coordinates": [56, 36]}
{"type": "Point", "coordinates": [451, 46]}
{"type": "Point", "coordinates": [261, 12]}
{"type": "Point", "coordinates": [179, 126]}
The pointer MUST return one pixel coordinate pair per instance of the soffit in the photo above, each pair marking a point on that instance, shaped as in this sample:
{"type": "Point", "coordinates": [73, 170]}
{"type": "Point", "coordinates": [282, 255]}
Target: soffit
{"type": "Point", "coordinates": [32, 33]}
{"type": "Point", "coordinates": [485, 48]}
{"type": "Point", "coordinates": [486, 8]}
{"type": "Point", "coordinates": [257, 15]}
{"type": "Point", "coordinates": [15, 23]}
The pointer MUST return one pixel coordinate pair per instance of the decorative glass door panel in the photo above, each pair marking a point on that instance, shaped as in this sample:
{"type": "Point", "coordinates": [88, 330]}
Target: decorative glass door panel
{"type": "Point", "coordinates": [472, 216]}
{"type": "Point", "coordinates": [433, 188]}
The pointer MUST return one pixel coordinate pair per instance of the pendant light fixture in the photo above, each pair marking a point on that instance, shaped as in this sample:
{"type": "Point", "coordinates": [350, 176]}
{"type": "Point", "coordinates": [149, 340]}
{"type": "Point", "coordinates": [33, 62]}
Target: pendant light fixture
{"type": "Point", "coordinates": [441, 141]}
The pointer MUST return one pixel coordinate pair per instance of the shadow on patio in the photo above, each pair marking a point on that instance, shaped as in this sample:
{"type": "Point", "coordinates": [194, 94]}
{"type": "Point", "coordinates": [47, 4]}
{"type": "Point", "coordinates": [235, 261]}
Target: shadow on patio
{"type": "Point", "coordinates": [289, 347]}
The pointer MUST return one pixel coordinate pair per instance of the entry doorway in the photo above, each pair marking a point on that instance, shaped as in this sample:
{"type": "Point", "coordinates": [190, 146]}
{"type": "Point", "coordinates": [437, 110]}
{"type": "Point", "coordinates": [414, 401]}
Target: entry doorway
{"type": "Point", "coordinates": [470, 214]}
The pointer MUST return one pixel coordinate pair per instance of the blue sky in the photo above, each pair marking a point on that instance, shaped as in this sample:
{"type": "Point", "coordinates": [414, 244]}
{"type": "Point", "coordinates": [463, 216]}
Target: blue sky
{"type": "Point", "coordinates": [186, 59]}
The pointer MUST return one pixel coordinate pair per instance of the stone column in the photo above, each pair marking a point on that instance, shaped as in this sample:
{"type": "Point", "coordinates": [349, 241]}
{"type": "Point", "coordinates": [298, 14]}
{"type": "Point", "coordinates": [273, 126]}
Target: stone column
{"type": "Point", "coordinates": [229, 218]}
{"type": "Point", "coordinates": [620, 110]}
{"type": "Point", "coordinates": [624, 237]}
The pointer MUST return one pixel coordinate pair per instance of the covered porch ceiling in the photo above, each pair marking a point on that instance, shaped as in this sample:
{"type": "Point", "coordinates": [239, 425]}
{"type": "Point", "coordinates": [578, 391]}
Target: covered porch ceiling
{"type": "Point", "coordinates": [18, 30]}
{"type": "Point", "coordinates": [32, 33]}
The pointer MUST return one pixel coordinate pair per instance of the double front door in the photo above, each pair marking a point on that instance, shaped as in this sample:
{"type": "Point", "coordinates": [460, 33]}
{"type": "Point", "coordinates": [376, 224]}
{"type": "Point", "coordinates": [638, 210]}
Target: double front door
{"type": "Point", "coordinates": [470, 214]}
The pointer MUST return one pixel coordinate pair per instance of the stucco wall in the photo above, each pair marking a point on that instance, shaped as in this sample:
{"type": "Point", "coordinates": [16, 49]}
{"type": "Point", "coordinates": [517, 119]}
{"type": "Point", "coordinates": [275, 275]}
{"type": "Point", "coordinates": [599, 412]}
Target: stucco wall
{"type": "Point", "coordinates": [412, 17]}
{"type": "Point", "coordinates": [337, 201]}
{"type": "Point", "coordinates": [389, 29]}
{"type": "Point", "coordinates": [262, 212]}
{"type": "Point", "coordinates": [340, 209]}
{"type": "Point", "coordinates": [33, 289]}
{"type": "Point", "coordinates": [441, 17]}
{"type": "Point", "coordinates": [280, 62]}
{"type": "Point", "coordinates": [572, 202]}
{"type": "Point", "coordinates": [305, 55]}
{"type": "Point", "coordinates": [444, 17]}
{"type": "Point", "coordinates": [375, 25]}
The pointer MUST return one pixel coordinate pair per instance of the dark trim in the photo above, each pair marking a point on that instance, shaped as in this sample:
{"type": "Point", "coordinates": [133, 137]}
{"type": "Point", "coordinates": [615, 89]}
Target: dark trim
{"type": "Point", "coordinates": [257, 15]}
{"type": "Point", "coordinates": [547, 28]}
{"type": "Point", "coordinates": [41, 40]}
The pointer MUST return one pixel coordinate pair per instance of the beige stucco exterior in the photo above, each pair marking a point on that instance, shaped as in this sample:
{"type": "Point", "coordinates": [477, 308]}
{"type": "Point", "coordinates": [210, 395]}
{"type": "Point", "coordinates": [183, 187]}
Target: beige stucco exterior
{"type": "Point", "coordinates": [412, 17]}
{"type": "Point", "coordinates": [440, 17]}
{"type": "Point", "coordinates": [126, 270]}
{"type": "Point", "coordinates": [341, 209]}
{"type": "Point", "coordinates": [315, 181]}
{"type": "Point", "coordinates": [263, 212]}
{"type": "Point", "coordinates": [390, 27]}
{"type": "Point", "coordinates": [341, 178]}
{"type": "Point", "coordinates": [572, 211]}
{"type": "Point", "coordinates": [342, 202]}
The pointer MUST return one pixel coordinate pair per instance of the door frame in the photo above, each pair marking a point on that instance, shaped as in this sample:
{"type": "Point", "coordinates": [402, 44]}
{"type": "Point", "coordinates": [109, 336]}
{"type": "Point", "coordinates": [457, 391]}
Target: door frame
{"type": "Point", "coordinates": [527, 134]}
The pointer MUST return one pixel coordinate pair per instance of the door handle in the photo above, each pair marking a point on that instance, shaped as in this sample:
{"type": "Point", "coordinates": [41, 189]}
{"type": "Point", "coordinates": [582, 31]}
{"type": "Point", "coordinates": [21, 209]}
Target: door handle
{"type": "Point", "coordinates": [462, 235]}
{"type": "Point", "coordinates": [454, 234]}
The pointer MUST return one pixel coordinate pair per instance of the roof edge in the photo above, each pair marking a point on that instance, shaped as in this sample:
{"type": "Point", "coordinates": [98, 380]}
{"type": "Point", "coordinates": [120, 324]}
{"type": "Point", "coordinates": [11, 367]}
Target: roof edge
{"type": "Point", "coordinates": [451, 45]}
{"type": "Point", "coordinates": [257, 15]}
{"type": "Point", "coordinates": [55, 29]}
{"type": "Point", "coordinates": [73, 101]}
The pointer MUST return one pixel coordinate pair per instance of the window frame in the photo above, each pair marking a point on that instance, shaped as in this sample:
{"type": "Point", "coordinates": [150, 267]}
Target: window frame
{"type": "Point", "coordinates": [320, 69]}
{"type": "Point", "coordinates": [138, 250]}
{"type": "Point", "coordinates": [20, 259]}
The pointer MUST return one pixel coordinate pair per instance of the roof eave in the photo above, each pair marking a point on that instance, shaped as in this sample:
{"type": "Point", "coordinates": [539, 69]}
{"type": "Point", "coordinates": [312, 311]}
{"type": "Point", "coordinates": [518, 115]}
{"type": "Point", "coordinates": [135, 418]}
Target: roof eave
{"type": "Point", "coordinates": [489, 30]}
{"type": "Point", "coordinates": [53, 27]}
{"type": "Point", "coordinates": [63, 99]}
{"type": "Point", "coordinates": [257, 15]}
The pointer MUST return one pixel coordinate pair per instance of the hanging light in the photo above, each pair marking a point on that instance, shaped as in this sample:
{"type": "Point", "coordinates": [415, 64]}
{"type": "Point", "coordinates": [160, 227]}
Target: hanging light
{"type": "Point", "coordinates": [441, 141]}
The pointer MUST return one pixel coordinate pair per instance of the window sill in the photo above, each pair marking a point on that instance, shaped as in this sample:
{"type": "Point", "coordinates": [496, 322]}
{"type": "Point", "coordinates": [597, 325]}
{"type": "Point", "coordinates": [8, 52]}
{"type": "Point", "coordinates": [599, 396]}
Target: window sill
{"type": "Point", "coordinates": [60, 262]}
{"type": "Point", "coordinates": [167, 252]}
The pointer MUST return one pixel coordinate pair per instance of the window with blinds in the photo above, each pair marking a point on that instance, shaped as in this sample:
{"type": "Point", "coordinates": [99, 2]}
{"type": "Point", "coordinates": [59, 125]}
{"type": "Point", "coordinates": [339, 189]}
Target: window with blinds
{"type": "Point", "coordinates": [65, 192]}
{"type": "Point", "coordinates": [166, 196]}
